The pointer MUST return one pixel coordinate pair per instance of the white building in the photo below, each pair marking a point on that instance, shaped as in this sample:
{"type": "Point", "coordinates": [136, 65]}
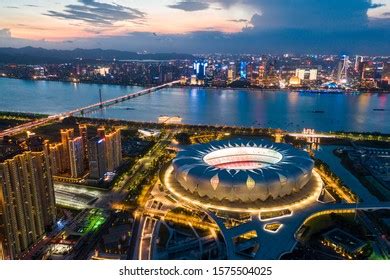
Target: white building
{"type": "Point", "coordinates": [306, 74]}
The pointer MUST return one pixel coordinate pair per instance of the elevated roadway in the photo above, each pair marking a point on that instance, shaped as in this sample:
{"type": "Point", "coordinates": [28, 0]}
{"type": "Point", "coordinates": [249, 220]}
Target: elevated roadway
{"type": "Point", "coordinates": [80, 111]}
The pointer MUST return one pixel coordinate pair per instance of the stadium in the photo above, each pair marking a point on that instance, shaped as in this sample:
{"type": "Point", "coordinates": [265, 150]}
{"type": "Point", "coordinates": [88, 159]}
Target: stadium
{"type": "Point", "coordinates": [243, 175]}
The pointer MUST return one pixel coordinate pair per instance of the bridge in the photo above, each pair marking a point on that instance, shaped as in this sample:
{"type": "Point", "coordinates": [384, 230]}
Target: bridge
{"type": "Point", "coordinates": [81, 111]}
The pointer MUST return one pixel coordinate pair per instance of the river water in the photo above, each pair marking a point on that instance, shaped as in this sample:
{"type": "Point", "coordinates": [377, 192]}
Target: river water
{"type": "Point", "coordinates": [292, 111]}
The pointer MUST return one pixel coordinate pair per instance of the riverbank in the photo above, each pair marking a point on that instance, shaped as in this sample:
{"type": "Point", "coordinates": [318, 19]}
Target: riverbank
{"type": "Point", "coordinates": [250, 88]}
{"type": "Point", "coordinates": [70, 81]}
{"type": "Point", "coordinates": [365, 178]}
{"type": "Point", "coordinates": [341, 138]}
{"type": "Point", "coordinates": [326, 155]}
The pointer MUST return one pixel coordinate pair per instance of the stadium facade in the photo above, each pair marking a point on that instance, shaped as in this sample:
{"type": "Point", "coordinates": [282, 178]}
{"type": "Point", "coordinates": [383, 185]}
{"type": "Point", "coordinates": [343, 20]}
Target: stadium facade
{"type": "Point", "coordinates": [241, 171]}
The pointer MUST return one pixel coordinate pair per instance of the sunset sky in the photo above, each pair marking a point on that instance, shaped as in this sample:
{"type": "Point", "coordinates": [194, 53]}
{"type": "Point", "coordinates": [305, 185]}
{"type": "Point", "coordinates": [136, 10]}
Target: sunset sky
{"type": "Point", "coordinates": [198, 25]}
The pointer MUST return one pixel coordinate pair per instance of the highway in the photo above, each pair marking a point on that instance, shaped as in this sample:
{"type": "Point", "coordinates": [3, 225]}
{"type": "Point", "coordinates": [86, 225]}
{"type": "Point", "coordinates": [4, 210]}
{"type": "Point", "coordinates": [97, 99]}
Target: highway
{"type": "Point", "coordinates": [274, 245]}
{"type": "Point", "coordinates": [80, 111]}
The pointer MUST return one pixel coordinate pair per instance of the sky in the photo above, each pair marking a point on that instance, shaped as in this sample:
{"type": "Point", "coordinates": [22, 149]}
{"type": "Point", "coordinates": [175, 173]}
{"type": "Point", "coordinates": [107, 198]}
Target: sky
{"type": "Point", "coordinates": [200, 26]}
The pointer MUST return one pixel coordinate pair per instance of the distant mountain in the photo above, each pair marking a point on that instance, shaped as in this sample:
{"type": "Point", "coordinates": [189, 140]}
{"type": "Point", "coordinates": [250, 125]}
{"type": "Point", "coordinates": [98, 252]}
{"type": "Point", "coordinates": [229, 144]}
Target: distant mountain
{"type": "Point", "coordinates": [30, 55]}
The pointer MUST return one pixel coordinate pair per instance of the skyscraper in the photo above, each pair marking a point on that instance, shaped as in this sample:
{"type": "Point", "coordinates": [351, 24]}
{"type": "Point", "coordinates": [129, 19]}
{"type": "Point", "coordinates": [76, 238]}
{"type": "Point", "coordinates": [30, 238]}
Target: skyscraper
{"type": "Point", "coordinates": [83, 129]}
{"type": "Point", "coordinates": [113, 150]}
{"type": "Point", "coordinates": [76, 156]}
{"type": "Point", "coordinates": [261, 71]}
{"type": "Point", "coordinates": [56, 155]}
{"type": "Point", "coordinates": [300, 73]}
{"type": "Point", "coordinates": [200, 69]}
{"type": "Point", "coordinates": [66, 135]}
{"type": "Point", "coordinates": [358, 61]}
{"type": "Point", "coordinates": [97, 157]}
{"type": "Point", "coordinates": [386, 72]}
{"type": "Point", "coordinates": [306, 74]}
{"type": "Point", "coordinates": [368, 70]}
{"type": "Point", "coordinates": [313, 74]}
{"type": "Point", "coordinates": [243, 70]}
{"type": "Point", "coordinates": [27, 203]}
{"type": "Point", "coordinates": [231, 74]}
{"type": "Point", "coordinates": [342, 70]}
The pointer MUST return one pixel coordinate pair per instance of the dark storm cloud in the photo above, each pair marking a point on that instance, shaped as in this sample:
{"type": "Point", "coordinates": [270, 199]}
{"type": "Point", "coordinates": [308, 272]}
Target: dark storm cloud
{"type": "Point", "coordinates": [311, 14]}
{"type": "Point", "coordinates": [190, 6]}
{"type": "Point", "coordinates": [94, 12]}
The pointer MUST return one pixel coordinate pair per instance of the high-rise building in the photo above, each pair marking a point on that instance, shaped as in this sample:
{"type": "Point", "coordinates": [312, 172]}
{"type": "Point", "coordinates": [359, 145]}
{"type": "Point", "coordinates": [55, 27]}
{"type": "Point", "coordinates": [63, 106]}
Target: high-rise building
{"type": "Point", "coordinates": [47, 188]}
{"type": "Point", "coordinates": [56, 155]}
{"type": "Point", "coordinates": [200, 69]}
{"type": "Point", "coordinates": [386, 72]}
{"type": "Point", "coordinates": [27, 202]}
{"type": "Point", "coordinates": [300, 73]}
{"type": "Point", "coordinates": [231, 75]}
{"type": "Point", "coordinates": [97, 157]}
{"type": "Point", "coordinates": [367, 71]}
{"type": "Point", "coordinates": [262, 72]}
{"type": "Point", "coordinates": [358, 61]}
{"type": "Point", "coordinates": [306, 74]}
{"type": "Point", "coordinates": [243, 70]}
{"type": "Point", "coordinates": [113, 150]}
{"type": "Point", "coordinates": [83, 129]}
{"type": "Point", "coordinates": [342, 70]}
{"type": "Point", "coordinates": [66, 135]}
{"type": "Point", "coordinates": [76, 156]}
{"type": "Point", "coordinates": [313, 74]}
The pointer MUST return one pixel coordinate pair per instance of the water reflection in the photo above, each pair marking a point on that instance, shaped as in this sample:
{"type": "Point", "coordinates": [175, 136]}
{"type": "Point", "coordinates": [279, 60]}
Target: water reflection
{"type": "Point", "coordinates": [277, 109]}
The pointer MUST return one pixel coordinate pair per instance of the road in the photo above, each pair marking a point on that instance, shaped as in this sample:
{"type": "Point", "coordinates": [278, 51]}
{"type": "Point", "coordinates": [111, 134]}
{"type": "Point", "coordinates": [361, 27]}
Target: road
{"type": "Point", "coordinates": [120, 192]}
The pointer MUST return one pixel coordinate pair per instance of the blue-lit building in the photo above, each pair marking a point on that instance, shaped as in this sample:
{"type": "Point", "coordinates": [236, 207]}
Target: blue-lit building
{"type": "Point", "coordinates": [243, 70]}
{"type": "Point", "coordinates": [200, 69]}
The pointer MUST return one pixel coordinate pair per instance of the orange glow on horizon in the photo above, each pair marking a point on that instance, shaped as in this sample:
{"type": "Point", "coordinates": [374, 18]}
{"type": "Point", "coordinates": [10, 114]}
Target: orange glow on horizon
{"type": "Point", "coordinates": [41, 27]}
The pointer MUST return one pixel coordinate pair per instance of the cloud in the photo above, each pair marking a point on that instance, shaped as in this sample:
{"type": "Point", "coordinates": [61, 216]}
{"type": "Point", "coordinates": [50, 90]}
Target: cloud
{"type": "Point", "coordinates": [241, 20]}
{"type": "Point", "coordinates": [190, 6]}
{"type": "Point", "coordinates": [311, 14]}
{"type": "Point", "coordinates": [5, 33]}
{"type": "Point", "coordinates": [31, 27]}
{"type": "Point", "coordinates": [277, 26]}
{"type": "Point", "coordinates": [94, 12]}
{"type": "Point", "coordinates": [367, 42]}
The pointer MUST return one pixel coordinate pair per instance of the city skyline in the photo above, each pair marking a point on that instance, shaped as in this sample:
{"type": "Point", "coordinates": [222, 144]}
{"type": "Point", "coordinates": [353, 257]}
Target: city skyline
{"type": "Point", "coordinates": [195, 130]}
{"type": "Point", "coordinates": [173, 26]}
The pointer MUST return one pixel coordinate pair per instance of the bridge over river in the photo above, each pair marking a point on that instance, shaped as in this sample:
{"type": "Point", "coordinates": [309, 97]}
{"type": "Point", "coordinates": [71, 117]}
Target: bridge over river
{"type": "Point", "coordinates": [80, 111]}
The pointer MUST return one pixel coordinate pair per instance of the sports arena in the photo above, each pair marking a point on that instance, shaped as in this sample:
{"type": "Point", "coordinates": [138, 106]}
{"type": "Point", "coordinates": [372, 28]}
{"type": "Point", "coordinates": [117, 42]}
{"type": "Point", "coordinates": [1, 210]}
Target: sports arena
{"type": "Point", "coordinates": [243, 175]}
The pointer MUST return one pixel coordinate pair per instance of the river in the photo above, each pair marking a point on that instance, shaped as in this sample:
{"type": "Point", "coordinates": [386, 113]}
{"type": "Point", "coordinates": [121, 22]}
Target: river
{"type": "Point", "coordinates": [292, 111]}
